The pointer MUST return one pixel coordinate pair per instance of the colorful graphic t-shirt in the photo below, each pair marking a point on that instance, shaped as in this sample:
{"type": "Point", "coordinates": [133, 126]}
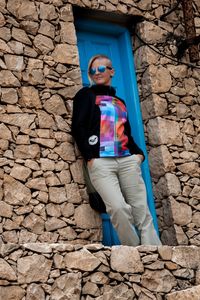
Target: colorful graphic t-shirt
{"type": "Point", "coordinates": [113, 141]}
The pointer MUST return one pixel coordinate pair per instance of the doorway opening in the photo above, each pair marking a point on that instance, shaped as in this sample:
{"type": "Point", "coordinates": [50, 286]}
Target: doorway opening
{"type": "Point", "coordinates": [103, 35]}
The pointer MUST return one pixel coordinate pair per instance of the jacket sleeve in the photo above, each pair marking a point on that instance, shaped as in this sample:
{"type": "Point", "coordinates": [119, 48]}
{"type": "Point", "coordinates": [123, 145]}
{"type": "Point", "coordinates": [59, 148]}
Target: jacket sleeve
{"type": "Point", "coordinates": [80, 121]}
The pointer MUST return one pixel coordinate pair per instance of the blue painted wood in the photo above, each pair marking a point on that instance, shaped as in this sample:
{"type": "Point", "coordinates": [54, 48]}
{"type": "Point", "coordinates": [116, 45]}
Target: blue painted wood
{"type": "Point", "coordinates": [91, 44]}
{"type": "Point", "coordinates": [113, 40]}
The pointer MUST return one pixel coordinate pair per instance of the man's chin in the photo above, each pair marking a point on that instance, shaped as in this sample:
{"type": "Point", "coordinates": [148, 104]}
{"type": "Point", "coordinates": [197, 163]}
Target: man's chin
{"type": "Point", "coordinates": [103, 82]}
{"type": "Point", "coordinates": [99, 81]}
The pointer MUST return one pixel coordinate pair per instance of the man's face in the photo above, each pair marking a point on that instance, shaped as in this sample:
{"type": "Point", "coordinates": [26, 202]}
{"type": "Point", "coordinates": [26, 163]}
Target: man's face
{"type": "Point", "coordinates": [99, 77]}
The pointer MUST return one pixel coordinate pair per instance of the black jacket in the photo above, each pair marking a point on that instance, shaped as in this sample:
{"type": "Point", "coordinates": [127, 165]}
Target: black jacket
{"type": "Point", "coordinates": [86, 121]}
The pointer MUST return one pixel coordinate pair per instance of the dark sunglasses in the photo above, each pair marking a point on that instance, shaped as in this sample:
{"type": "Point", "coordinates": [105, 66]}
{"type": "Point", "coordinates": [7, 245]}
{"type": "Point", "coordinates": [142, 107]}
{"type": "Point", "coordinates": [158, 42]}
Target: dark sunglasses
{"type": "Point", "coordinates": [101, 69]}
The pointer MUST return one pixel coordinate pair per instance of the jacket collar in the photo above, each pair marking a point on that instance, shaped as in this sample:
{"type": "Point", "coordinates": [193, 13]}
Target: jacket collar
{"type": "Point", "coordinates": [103, 90]}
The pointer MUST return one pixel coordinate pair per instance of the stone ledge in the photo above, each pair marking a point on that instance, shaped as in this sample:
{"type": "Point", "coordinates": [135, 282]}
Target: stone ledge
{"type": "Point", "coordinates": [52, 271]}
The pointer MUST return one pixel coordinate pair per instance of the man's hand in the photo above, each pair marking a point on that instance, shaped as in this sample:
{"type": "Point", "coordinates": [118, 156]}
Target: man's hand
{"type": "Point", "coordinates": [90, 162]}
{"type": "Point", "coordinates": [141, 157]}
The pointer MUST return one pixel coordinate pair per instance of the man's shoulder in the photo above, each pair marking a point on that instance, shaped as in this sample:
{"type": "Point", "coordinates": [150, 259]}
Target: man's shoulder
{"type": "Point", "coordinates": [83, 91]}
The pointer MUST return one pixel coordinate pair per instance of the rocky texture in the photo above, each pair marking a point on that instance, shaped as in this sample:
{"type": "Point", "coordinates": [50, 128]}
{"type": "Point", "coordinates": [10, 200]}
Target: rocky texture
{"type": "Point", "coordinates": [42, 195]}
{"type": "Point", "coordinates": [132, 262]}
{"type": "Point", "coordinates": [31, 166]}
{"type": "Point", "coordinates": [169, 97]}
{"type": "Point", "coordinates": [188, 294]}
{"type": "Point", "coordinates": [60, 271]}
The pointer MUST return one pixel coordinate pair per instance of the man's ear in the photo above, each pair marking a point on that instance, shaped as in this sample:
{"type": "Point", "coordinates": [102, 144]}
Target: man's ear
{"type": "Point", "coordinates": [112, 73]}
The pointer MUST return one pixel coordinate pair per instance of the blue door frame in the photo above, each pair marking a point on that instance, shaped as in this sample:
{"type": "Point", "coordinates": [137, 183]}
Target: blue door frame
{"type": "Point", "coordinates": [85, 29]}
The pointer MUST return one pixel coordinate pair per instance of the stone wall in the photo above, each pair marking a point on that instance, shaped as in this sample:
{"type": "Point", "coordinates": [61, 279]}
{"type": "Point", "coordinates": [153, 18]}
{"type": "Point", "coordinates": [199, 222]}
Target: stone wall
{"type": "Point", "coordinates": [42, 196]}
{"type": "Point", "coordinates": [169, 94]}
{"type": "Point", "coordinates": [60, 271]}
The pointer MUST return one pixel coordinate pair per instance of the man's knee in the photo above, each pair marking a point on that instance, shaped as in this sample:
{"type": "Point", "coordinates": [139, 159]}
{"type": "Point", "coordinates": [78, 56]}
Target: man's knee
{"type": "Point", "coordinates": [120, 211]}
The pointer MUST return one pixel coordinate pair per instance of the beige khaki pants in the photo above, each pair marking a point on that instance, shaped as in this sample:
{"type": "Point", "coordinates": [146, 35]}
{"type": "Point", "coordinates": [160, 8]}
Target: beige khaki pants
{"type": "Point", "coordinates": [121, 186]}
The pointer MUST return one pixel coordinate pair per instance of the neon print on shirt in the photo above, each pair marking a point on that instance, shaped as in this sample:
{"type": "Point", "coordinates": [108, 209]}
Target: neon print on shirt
{"type": "Point", "coordinates": [113, 141]}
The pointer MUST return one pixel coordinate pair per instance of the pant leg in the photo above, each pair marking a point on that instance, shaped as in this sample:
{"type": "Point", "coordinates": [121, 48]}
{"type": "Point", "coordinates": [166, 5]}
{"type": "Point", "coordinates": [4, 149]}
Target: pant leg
{"type": "Point", "coordinates": [134, 191]}
{"type": "Point", "coordinates": [103, 175]}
